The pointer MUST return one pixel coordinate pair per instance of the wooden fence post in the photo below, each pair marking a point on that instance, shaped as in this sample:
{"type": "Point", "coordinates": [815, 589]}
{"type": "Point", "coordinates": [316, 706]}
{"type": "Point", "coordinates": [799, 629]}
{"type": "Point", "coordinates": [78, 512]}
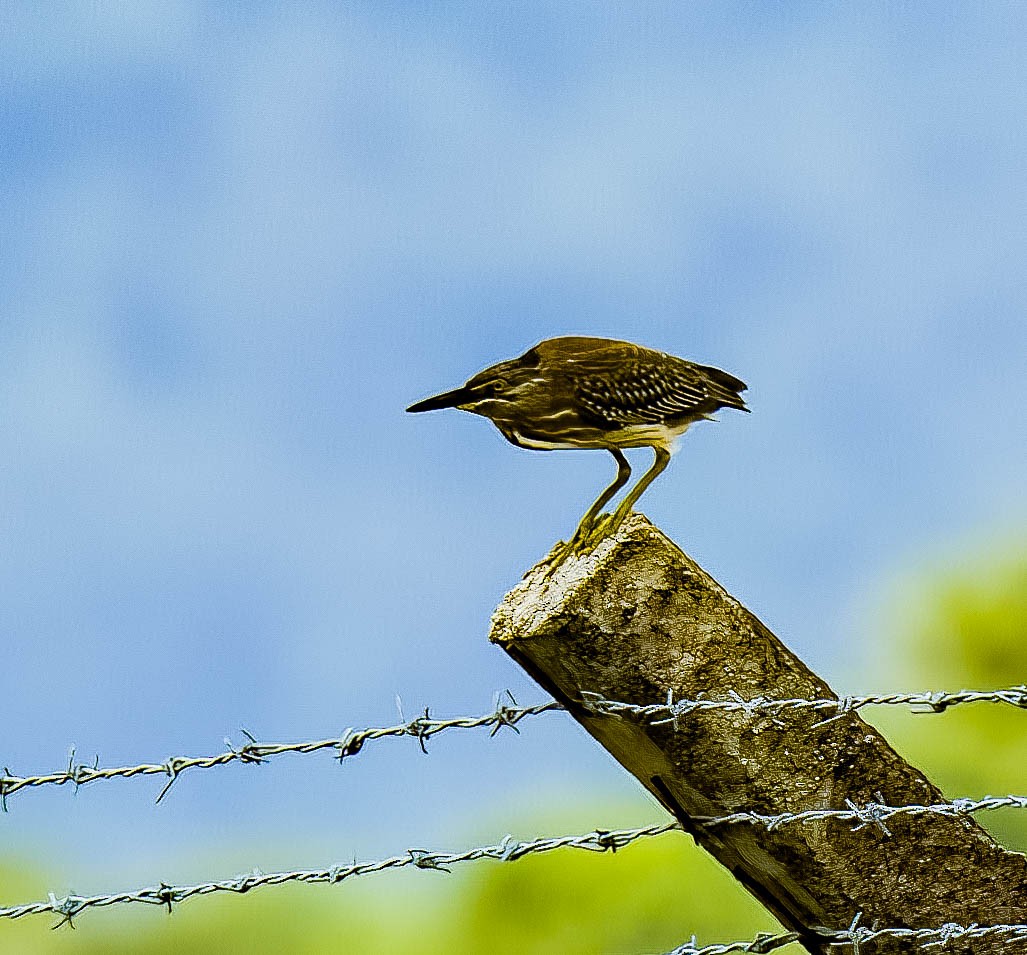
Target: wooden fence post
{"type": "Point", "coordinates": [638, 619]}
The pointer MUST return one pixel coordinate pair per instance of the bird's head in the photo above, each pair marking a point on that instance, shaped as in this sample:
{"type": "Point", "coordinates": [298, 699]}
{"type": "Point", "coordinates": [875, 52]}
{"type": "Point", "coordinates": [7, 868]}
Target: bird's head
{"type": "Point", "coordinates": [492, 392]}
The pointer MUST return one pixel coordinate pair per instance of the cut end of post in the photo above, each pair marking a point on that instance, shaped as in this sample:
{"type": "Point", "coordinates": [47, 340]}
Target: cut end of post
{"type": "Point", "coordinates": [545, 594]}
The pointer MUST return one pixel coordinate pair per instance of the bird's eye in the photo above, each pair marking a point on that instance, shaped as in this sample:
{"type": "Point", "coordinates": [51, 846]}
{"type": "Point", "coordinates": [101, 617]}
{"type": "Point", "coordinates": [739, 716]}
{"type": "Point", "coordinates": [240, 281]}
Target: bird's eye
{"type": "Point", "coordinates": [497, 385]}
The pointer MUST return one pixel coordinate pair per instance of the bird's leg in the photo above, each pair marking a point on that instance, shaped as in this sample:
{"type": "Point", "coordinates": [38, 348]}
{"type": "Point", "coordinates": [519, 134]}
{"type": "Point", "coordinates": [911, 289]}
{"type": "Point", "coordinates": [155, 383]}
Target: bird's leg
{"type": "Point", "coordinates": [587, 522]}
{"type": "Point", "coordinates": [610, 525]}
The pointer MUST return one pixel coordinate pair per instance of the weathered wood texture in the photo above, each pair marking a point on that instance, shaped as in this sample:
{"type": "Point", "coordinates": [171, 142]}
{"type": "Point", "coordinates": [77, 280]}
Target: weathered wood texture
{"type": "Point", "coordinates": [638, 618]}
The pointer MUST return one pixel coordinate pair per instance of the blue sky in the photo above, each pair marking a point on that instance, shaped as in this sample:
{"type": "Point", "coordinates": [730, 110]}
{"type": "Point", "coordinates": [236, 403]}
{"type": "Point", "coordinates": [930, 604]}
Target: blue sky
{"type": "Point", "coordinates": [239, 239]}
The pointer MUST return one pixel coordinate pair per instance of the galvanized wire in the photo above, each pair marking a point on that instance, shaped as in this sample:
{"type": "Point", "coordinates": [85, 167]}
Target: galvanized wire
{"type": "Point", "coordinates": [762, 943]}
{"type": "Point", "coordinates": [868, 814]}
{"type": "Point", "coordinates": [599, 840]}
{"type": "Point", "coordinates": [351, 742]}
{"type": "Point", "coordinates": [856, 936]}
{"type": "Point", "coordinates": [926, 702]}
{"type": "Point", "coordinates": [509, 849]}
{"type": "Point", "coordinates": [508, 714]}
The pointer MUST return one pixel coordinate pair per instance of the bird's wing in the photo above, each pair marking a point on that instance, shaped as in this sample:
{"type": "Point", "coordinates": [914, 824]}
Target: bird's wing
{"type": "Point", "coordinates": [649, 387]}
{"type": "Point", "coordinates": [634, 393]}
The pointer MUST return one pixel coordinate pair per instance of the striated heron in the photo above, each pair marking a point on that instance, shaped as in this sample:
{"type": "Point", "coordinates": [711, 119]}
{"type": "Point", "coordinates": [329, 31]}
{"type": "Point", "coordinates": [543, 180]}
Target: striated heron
{"type": "Point", "coordinates": [596, 393]}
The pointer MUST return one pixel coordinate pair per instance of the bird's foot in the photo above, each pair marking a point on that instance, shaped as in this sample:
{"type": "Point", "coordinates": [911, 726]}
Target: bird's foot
{"type": "Point", "coordinates": [585, 539]}
{"type": "Point", "coordinates": [578, 544]}
{"type": "Point", "coordinates": [558, 555]}
{"type": "Point", "coordinates": [575, 546]}
{"type": "Point", "coordinates": [605, 526]}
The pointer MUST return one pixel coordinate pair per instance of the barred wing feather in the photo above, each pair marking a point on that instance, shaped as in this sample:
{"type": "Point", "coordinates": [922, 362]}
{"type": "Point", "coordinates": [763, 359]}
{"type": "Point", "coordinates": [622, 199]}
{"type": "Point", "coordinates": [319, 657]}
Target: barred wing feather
{"type": "Point", "coordinates": [642, 392]}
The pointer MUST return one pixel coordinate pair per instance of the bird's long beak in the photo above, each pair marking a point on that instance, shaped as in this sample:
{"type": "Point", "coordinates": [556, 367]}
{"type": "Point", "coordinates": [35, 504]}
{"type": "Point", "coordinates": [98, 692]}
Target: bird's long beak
{"type": "Point", "coordinates": [449, 399]}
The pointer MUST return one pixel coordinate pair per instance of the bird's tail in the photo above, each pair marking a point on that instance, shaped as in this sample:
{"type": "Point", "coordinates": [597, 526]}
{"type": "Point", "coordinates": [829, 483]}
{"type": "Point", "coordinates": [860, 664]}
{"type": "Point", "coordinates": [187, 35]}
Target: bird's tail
{"type": "Point", "coordinates": [725, 388]}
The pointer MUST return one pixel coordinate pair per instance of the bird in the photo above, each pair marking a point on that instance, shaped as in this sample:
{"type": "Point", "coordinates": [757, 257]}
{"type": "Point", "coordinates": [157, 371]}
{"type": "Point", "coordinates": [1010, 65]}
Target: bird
{"type": "Point", "coordinates": [576, 392]}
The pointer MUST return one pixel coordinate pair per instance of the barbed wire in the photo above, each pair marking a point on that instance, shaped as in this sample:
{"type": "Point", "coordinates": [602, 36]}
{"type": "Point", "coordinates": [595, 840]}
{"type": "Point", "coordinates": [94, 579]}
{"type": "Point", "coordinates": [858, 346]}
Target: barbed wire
{"type": "Point", "coordinates": [856, 936]}
{"type": "Point", "coordinates": [762, 943]}
{"type": "Point", "coordinates": [869, 814]}
{"type": "Point", "coordinates": [599, 840]}
{"type": "Point", "coordinates": [351, 742]}
{"type": "Point", "coordinates": [506, 713]}
{"type": "Point", "coordinates": [507, 850]}
{"type": "Point", "coordinates": [933, 701]}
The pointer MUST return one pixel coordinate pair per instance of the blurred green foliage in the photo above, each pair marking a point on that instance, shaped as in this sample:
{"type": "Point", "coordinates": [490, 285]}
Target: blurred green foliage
{"type": "Point", "coordinates": [965, 623]}
{"type": "Point", "coordinates": [961, 626]}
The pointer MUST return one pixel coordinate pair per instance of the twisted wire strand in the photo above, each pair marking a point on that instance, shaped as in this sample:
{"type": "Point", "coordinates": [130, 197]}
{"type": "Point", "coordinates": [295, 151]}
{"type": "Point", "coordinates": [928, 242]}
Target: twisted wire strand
{"type": "Point", "coordinates": [762, 943]}
{"type": "Point", "coordinates": [856, 936]}
{"type": "Point", "coordinates": [868, 814]}
{"type": "Point", "coordinates": [928, 701]}
{"type": "Point", "coordinates": [599, 840]}
{"type": "Point", "coordinates": [351, 742]}
{"type": "Point", "coordinates": [507, 850]}
{"type": "Point", "coordinates": [505, 714]}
